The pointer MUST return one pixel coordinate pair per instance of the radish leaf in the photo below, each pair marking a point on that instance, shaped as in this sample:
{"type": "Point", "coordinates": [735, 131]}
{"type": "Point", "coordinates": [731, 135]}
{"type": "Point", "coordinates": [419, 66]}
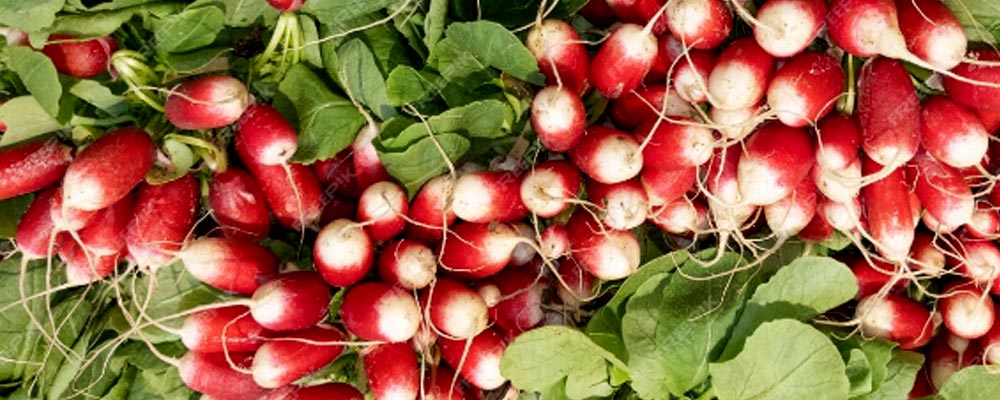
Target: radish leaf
{"type": "Point", "coordinates": [497, 47]}
{"type": "Point", "coordinates": [976, 382]}
{"type": "Point", "coordinates": [29, 16]}
{"type": "Point", "coordinates": [188, 30]}
{"type": "Point", "coordinates": [11, 211]}
{"type": "Point", "coordinates": [901, 372]}
{"type": "Point", "coordinates": [327, 122]}
{"type": "Point", "coordinates": [39, 76]}
{"type": "Point", "coordinates": [360, 76]}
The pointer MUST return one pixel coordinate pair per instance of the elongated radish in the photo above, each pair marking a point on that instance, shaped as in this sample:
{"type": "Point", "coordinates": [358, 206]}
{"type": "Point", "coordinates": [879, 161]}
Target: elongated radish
{"type": "Point", "coordinates": [640, 12]}
{"type": "Point", "coordinates": [478, 250]}
{"type": "Point", "coordinates": [681, 144]}
{"type": "Point", "coordinates": [839, 140]}
{"type": "Point", "coordinates": [791, 214]}
{"type": "Point", "coordinates": [926, 257]}
{"type": "Point", "coordinates": [622, 205]}
{"type": "Point", "coordinates": [489, 196]}
{"type": "Point", "coordinates": [558, 117]}
{"type": "Point", "coordinates": [212, 101]}
{"type": "Point", "coordinates": [515, 299]}
{"type": "Point", "coordinates": [806, 87]}
{"type": "Point", "coordinates": [430, 211]}
{"type": "Point", "coordinates": [690, 76]}
{"type": "Point", "coordinates": [606, 253]}
{"type": "Point", "coordinates": [454, 309]}
{"type": "Point", "coordinates": [30, 167]}
{"type": "Point", "coordinates": [967, 311]}
{"type": "Point", "coordinates": [971, 94]}
{"type": "Point", "coordinates": [777, 157]}
{"type": "Point", "coordinates": [700, 24]}
{"type": "Point", "coordinates": [875, 275]}
{"type": "Point", "coordinates": [480, 365]}
{"type": "Point", "coordinates": [267, 136]}
{"type": "Point", "coordinates": [548, 188]}
{"type": "Point", "coordinates": [897, 318]}
{"type": "Point", "coordinates": [559, 51]}
{"type": "Point", "coordinates": [292, 191]}
{"type": "Point", "coordinates": [343, 253]}
{"type": "Point", "coordinates": [229, 265]}
{"type": "Point", "coordinates": [108, 169]}
{"type": "Point", "coordinates": [407, 263]}
{"type": "Point", "coordinates": [607, 155]}
{"type": "Point", "coordinates": [80, 58]}
{"type": "Point", "coordinates": [932, 32]}
{"type": "Point", "coordinates": [888, 112]}
{"type": "Point", "coordinates": [377, 311]}
{"type": "Point", "coordinates": [105, 235]}
{"type": "Point", "coordinates": [644, 104]}
{"type": "Point", "coordinates": [286, 358]}
{"type": "Point", "coordinates": [368, 167]}
{"type": "Point", "coordinates": [740, 76]}
{"type": "Point", "coordinates": [976, 260]}
{"type": "Point", "coordinates": [382, 207]}
{"type": "Point", "coordinates": [291, 301]}
{"type": "Point", "coordinates": [335, 390]}
{"type": "Point", "coordinates": [785, 27]}
{"type": "Point", "coordinates": [223, 329]}
{"type": "Point", "coordinates": [952, 133]}
{"type": "Point", "coordinates": [623, 60]}
{"type": "Point", "coordinates": [942, 191]}
{"type": "Point", "coordinates": [238, 205]}
{"type": "Point", "coordinates": [680, 216]}
{"type": "Point", "coordinates": [163, 218]}
{"type": "Point", "coordinates": [211, 374]}
{"type": "Point", "coordinates": [34, 230]}
{"type": "Point", "coordinates": [392, 371]}
{"type": "Point", "coordinates": [337, 175]}
{"type": "Point", "coordinates": [888, 213]}
{"type": "Point", "coordinates": [68, 219]}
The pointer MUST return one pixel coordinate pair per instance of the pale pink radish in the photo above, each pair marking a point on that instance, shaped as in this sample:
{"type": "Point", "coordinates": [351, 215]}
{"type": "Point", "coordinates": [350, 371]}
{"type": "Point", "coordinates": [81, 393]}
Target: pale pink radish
{"type": "Point", "coordinates": [976, 260]}
{"type": "Point", "coordinates": [737, 124]}
{"type": "Point", "coordinates": [786, 27]}
{"type": "Point", "coordinates": [35, 230]}
{"type": "Point", "coordinates": [515, 299]}
{"type": "Point", "coordinates": [640, 12]}
{"type": "Point", "coordinates": [952, 133]}
{"type": "Point", "coordinates": [895, 317]}
{"type": "Point", "coordinates": [238, 205]}
{"type": "Point", "coordinates": [454, 309]}
{"type": "Point", "coordinates": [489, 196]}
{"type": "Point", "coordinates": [212, 101]}
{"type": "Point", "coordinates": [621, 205]}
{"type": "Point", "coordinates": [550, 187]}
{"type": "Point", "coordinates": [839, 141]}
{"type": "Point", "coordinates": [287, 358]}
{"type": "Point", "coordinates": [382, 207]}
{"type": "Point", "coordinates": [475, 251]}
{"type": "Point", "coordinates": [286, 5]}
{"type": "Point", "coordinates": [392, 371]}
{"type": "Point", "coordinates": [229, 265]}
{"type": "Point", "coordinates": [26, 168]}
{"type": "Point", "coordinates": [888, 112]}
{"type": "Point", "coordinates": [942, 191]}
{"type": "Point", "coordinates": [806, 87]}
{"type": "Point", "coordinates": [932, 32]}
{"type": "Point", "coordinates": [740, 76]}
{"type": "Point", "coordinates": [788, 216]}
{"type": "Point", "coordinates": [966, 310]}
{"type": "Point", "coordinates": [430, 210]}
{"type": "Point", "coordinates": [575, 284]}
{"type": "Point", "coordinates": [480, 365]}
{"type": "Point", "coordinates": [776, 157]}
{"type": "Point", "coordinates": [554, 242]}
{"type": "Point", "coordinates": [700, 24]}
{"type": "Point", "coordinates": [343, 253]}
{"type": "Point", "coordinates": [680, 216]}
{"type": "Point", "coordinates": [407, 263]}
{"type": "Point", "coordinates": [888, 214]}
{"type": "Point", "coordinates": [80, 58]}
{"type": "Point", "coordinates": [925, 256]}
{"type": "Point", "coordinates": [558, 117]}
{"type": "Point", "coordinates": [985, 222]}
{"type": "Point", "coordinates": [377, 311]}
{"type": "Point", "coordinates": [645, 104]}
{"type": "Point", "coordinates": [624, 59]}
{"type": "Point", "coordinates": [560, 52]}
{"type": "Point", "coordinates": [982, 68]}
{"type": "Point", "coordinates": [108, 169]}
{"type": "Point", "coordinates": [266, 135]}
{"type": "Point", "coordinates": [212, 375]}
{"type": "Point", "coordinates": [606, 253]}
{"type": "Point", "coordinates": [874, 275]}
{"type": "Point", "coordinates": [690, 76]}
{"type": "Point", "coordinates": [368, 167]}
{"type": "Point", "coordinates": [223, 329]}
{"type": "Point", "coordinates": [672, 145]}
{"type": "Point", "coordinates": [664, 185]}
{"type": "Point", "coordinates": [607, 155]}
{"type": "Point", "coordinates": [162, 222]}
{"type": "Point", "coordinates": [291, 301]}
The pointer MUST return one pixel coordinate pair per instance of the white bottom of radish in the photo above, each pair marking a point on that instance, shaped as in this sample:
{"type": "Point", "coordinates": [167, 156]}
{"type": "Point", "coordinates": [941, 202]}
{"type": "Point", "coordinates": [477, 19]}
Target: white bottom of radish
{"type": "Point", "coordinates": [735, 124]}
{"type": "Point", "coordinates": [473, 198]}
{"type": "Point", "coordinates": [618, 160]}
{"type": "Point", "coordinates": [877, 317]}
{"type": "Point", "coordinates": [947, 48]}
{"type": "Point", "coordinates": [543, 193]}
{"type": "Point", "coordinates": [398, 317]}
{"type": "Point", "coordinates": [269, 305]}
{"type": "Point", "coordinates": [969, 317]}
{"type": "Point", "coordinates": [964, 149]}
{"type": "Point", "coordinates": [416, 268]}
{"type": "Point", "coordinates": [789, 104]}
{"type": "Point", "coordinates": [785, 31]}
{"type": "Point", "coordinates": [461, 316]}
{"type": "Point", "coordinates": [688, 18]}
{"type": "Point", "coordinates": [734, 86]}
{"type": "Point", "coordinates": [759, 183]}
{"type": "Point", "coordinates": [554, 110]}
{"type": "Point", "coordinates": [616, 257]}
{"type": "Point", "coordinates": [486, 373]}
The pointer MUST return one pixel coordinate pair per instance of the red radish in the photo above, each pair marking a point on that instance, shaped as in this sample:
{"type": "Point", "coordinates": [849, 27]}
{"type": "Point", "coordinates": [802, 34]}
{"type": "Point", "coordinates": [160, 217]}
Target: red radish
{"type": "Point", "coordinates": [286, 358]}
{"type": "Point", "coordinates": [932, 32]}
{"type": "Point", "coordinates": [554, 242]}
{"type": "Point", "coordinates": [640, 12]}
{"type": "Point", "coordinates": [839, 142]}
{"type": "Point", "coordinates": [925, 256]}
{"type": "Point", "coordinates": [440, 384]}
{"type": "Point", "coordinates": [524, 252]}
{"type": "Point", "coordinates": [287, 5]}
{"type": "Point", "coordinates": [952, 133]}
{"type": "Point", "coordinates": [211, 374]}
{"type": "Point", "coordinates": [740, 76]}
{"type": "Point", "coordinates": [786, 27]}
{"type": "Point", "coordinates": [967, 311]}
{"type": "Point", "coordinates": [489, 196]}
{"type": "Point", "coordinates": [35, 229]}
{"type": "Point", "coordinates": [82, 266]}
{"type": "Point", "coordinates": [887, 210]}
{"type": "Point", "coordinates": [337, 175]}
{"type": "Point", "coordinates": [922, 386]}
{"type": "Point", "coordinates": [623, 60]}
{"type": "Point", "coordinates": [989, 116]}
{"type": "Point", "coordinates": [480, 365]}
{"type": "Point", "coordinates": [737, 124]}
{"type": "Point", "coordinates": [392, 371]}
{"type": "Point", "coordinates": [776, 157]}
{"type": "Point", "coordinates": [844, 217]}
{"type": "Point", "coordinates": [80, 58]}
{"type": "Point", "coordinates": [454, 309]}
{"type": "Point", "coordinates": [607, 155]}
{"type": "Point", "coordinates": [664, 185]}
{"type": "Point", "coordinates": [238, 205]}
{"type": "Point", "coordinates": [598, 12]}
{"type": "Point", "coordinates": [875, 275]}
{"type": "Point", "coordinates": [558, 117]}
{"type": "Point", "coordinates": [866, 28]}
{"type": "Point", "coordinates": [679, 144]}
{"type": "Point", "coordinates": [292, 192]}
{"type": "Point", "coordinates": [326, 391]}
{"type": "Point", "coordinates": [223, 329]}
{"type": "Point", "coordinates": [606, 253]}
{"type": "Point", "coordinates": [291, 301]}
{"type": "Point", "coordinates": [936, 226]}
{"type": "Point", "coordinates": [343, 253]}
{"type": "Point", "coordinates": [560, 52]}
{"type": "Point", "coordinates": [644, 104]}
{"type": "Point", "coordinates": [978, 261]}
{"type": "Point", "coordinates": [66, 219]}
{"type": "Point", "coordinates": [888, 112]}
{"type": "Point", "coordinates": [30, 167]}
{"type": "Point", "coordinates": [367, 166]}
{"type": "Point", "coordinates": [214, 101]}
{"type": "Point", "coordinates": [791, 214]}
{"type": "Point", "coordinates": [942, 191]}
{"type": "Point", "coordinates": [108, 169]}
{"type": "Point", "coordinates": [729, 211]}
{"type": "Point", "coordinates": [515, 299]}
{"type": "Point", "coordinates": [985, 222]}
{"type": "Point", "coordinates": [474, 250]}
{"type": "Point", "coordinates": [622, 205]}
{"type": "Point", "coordinates": [382, 208]}
{"type": "Point", "coordinates": [949, 354]}
{"type": "Point", "coordinates": [690, 76]}
{"type": "Point", "coordinates": [266, 135]}
{"type": "Point", "coordinates": [575, 285]}
{"type": "Point", "coordinates": [897, 318]}
{"type": "Point", "coordinates": [376, 311]}
{"type": "Point", "coordinates": [105, 235]}
{"type": "Point", "coordinates": [839, 185]}
{"type": "Point", "coordinates": [700, 24]}
{"type": "Point", "coordinates": [229, 265]}
{"type": "Point", "coordinates": [806, 88]}
{"type": "Point", "coordinates": [549, 187]}
{"type": "Point", "coordinates": [971, 94]}
{"type": "Point", "coordinates": [680, 216]}
{"type": "Point", "coordinates": [817, 231]}
{"type": "Point", "coordinates": [991, 345]}
{"type": "Point", "coordinates": [430, 210]}
{"type": "Point", "coordinates": [407, 263]}
{"type": "Point", "coordinates": [337, 209]}
{"type": "Point", "coordinates": [163, 218]}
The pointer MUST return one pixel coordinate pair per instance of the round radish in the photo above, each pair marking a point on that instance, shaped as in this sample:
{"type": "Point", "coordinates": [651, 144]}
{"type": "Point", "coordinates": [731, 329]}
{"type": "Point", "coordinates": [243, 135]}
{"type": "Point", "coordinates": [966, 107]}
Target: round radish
{"type": "Point", "coordinates": [664, 185]}
{"type": "Point", "coordinates": [408, 264]}
{"type": "Point", "coordinates": [690, 76]}
{"type": "Point", "coordinates": [343, 253]}
{"type": "Point", "coordinates": [776, 157]}
{"type": "Point", "coordinates": [700, 24]}
{"type": "Point", "coordinates": [515, 299]}
{"type": "Point", "coordinates": [839, 142]}
{"type": "Point", "coordinates": [368, 167]}
{"type": "Point", "coordinates": [474, 250]}
{"type": "Point", "coordinates": [576, 285]}
{"type": "Point", "coordinates": [480, 365]}
{"type": "Point", "coordinates": [559, 51]}
{"type": "Point", "coordinates": [897, 318]}
{"type": "Point", "coordinates": [382, 207]}
{"type": "Point", "coordinates": [337, 175]}
{"type": "Point", "coordinates": [680, 216]}
{"type": "Point", "coordinates": [376, 311]}
{"type": "Point", "coordinates": [805, 88]}
{"type": "Point", "coordinates": [740, 76]}
{"type": "Point", "coordinates": [623, 205]}
{"type": "Point", "coordinates": [967, 311]}
{"type": "Point", "coordinates": [942, 191]}
{"type": "Point", "coordinates": [489, 196]}
{"type": "Point", "coordinates": [454, 309]}
{"type": "Point", "coordinates": [554, 242]}
{"type": "Point", "coordinates": [547, 189]}
{"type": "Point", "coordinates": [207, 102]}
{"type": "Point", "coordinates": [558, 117]}
{"type": "Point", "coordinates": [971, 94]}
{"type": "Point", "coordinates": [607, 155]}
{"type": "Point", "coordinates": [644, 104]}
{"type": "Point", "coordinates": [951, 133]}
{"type": "Point", "coordinates": [926, 257]}
{"type": "Point", "coordinates": [785, 27]}
{"type": "Point", "coordinates": [606, 253]}
{"type": "Point", "coordinates": [932, 32]}
{"type": "Point", "coordinates": [791, 214]}
{"type": "Point", "coordinates": [673, 145]}
{"type": "Point", "coordinates": [874, 275]}
{"type": "Point", "coordinates": [430, 210]}
{"type": "Point", "coordinates": [392, 371]}
{"type": "Point", "coordinates": [238, 205]}
{"type": "Point", "coordinates": [291, 301]}
{"type": "Point", "coordinates": [640, 12]}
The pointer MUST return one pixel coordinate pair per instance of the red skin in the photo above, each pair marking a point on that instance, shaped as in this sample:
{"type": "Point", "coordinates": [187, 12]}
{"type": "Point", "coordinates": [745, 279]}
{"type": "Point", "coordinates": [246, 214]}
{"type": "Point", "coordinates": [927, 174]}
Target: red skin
{"type": "Point", "coordinates": [105, 235]}
{"type": "Point", "coordinates": [640, 12]}
{"type": "Point", "coordinates": [971, 94]}
{"type": "Point", "coordinates": [680, 216]}
{"type": "Point", "coordinates": [793, 213]}
{"type": "Point", "coordinates": [554, 241]}
{"type": "Point", "coordinates": [83, 267]}
{"type": "Point", "coordinates": [756, 67]}
{"type": "Point", "coordinates": [368, 167]}
{"type": "Point", "coordinates": [589, 237]}
{"type": "Point", "coordinates": [430, 211]}
{"type": "Point", "coordinates": [945, 125]}
{"type": "Point", "coordinates": [337, 175]}
{"type": "Point", "coordinates": [210, 374]}
{"type": "Point", "coordinates": [708, 35]}
{"type": "Point", "coordinates": [850, 24]}
{"type": "Point", "coordinates": [920, 21]}
{"type": "Point", "coordinates": [280, 362]}
{"type": "Point", "coordinates": [520, 294]}
{"type": "Point", "coordinates": [817, 78]}
{"type": "Point", "coordinates": [336, 270]}
{"type": "Point", "coordinates": [478, 250]}
{"type": "Point", "coordinates": [283, 190]}
{"type": "Point", "coordinates": [873, 277]}
{"type": "Point", "coordinates": [817, 231]}
{"type": "Point", "coordinates": [576, 285]}
{"type": "Point", "coordinates": [163, 219]}
{"type": "Point", "coordinates": [503, 203]}
{"type": "Point", "coordinates": [674, 145]}
{"type": "Point", "coordinates": [65, 219]}
{"type": "Point", "coordinates": [267, 137]}
{"type": "Point", "coordinates": [888, 112]}
{"type": "Point", "coordinates": [941, 190]}
{"type": "Point", "coordinates": [392, 368]}
{"type": "Point", "coordinates": [558, 48]}
{"type": "Point", "coordinates": [775, 155]}
{"type": "Point", "coordinates": [447, 296]}
{"type": "Point", "coordinates": [989, 116]}
{"type": "Point", "coordinates": [957, 296]}
{"type": "Point", "coordinates": [229, 328]}
{"type": "Point", "coordinates": [287, 5]}
{"type": "Point", "coordinates": [976, 260]}
{"type": "Point", "coordinates": [927, 258]}
{"type": "Point", "coordinates": [207, 102]}
{"type": "Point", "coordinates": [27, 168]}
{"type": "Point", "coordinates": [337, 209]}
{"type": "Point", "coordinates": [302, 296]}
{"type": "Point", "coordinates": [389, 265]}
{"type": "Point", "coordinates": [229, 265]}
{"type": "Point", "coordinates": [629, 110]}
{"type": "Point", "coordinates": [623, 195]}
{"type": "Point", "coordinates": [361, 312]}
{"type": "Point", "coordinates": [80, 59]}
{"type": "Point", "coordinates": [238, 205]}
{"type": "Point", "coordinates": [383, 223]}
{"type": "Point", "coordinates": [598, 12]}
{"type": "Point", "coordinates": [486, 347]}
{"type": "Point", "coordinates": [440, 383]}
{"type": "Point", "coordinates": [108, 169]}
{"type": "Point", "coordinates": [585, 155]}
{"type": "Point", "coordinates": [559, 101]}
{"type": "Point", "coordinates": [839, 141]}
{"type": "Point", "coordinates": [567, 186]}
{"type": "Point", "coordinates": [699, 66]}
{"type": "Point", "coordinates": [911, 322]}
{"type": "Point", "coordinates": [326, 391]}
{"type": "Point", "coordinates": [809, 11]}
{"type": "Point", "coordinates": [888, 212]}
{"type": "Point", "coordinates": [34, 230]}
{"type": "Point", "coordinates": [985, 222]}
{"type": "Point", "coordinates": [624, 59]}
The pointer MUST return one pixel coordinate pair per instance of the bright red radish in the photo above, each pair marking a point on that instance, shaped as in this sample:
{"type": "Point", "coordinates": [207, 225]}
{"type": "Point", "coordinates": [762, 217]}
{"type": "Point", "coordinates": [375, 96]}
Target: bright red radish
{"type": "Point", "coordinates": [286, 358]}
{"type": "Point", "coordinates": [515, 299]}
{"type": "Point", "coordinates": [897, 318]}
{"type": "Point", "coordinates": [80, 58]}
{"type": "Point", "coordinates": [985, 222]}
{"type": "Point", "coordinates": [326, 391]}
{"type": "Point", "coordinates": [481, 364]}
{"type": "Point", "coordinates": [673, 145]}
{"type": "Point", "coordinates": [430, 210]}
{"type": "Point", "coordinates": [932, 32]}
{"type": "Point", "coordinates": [866, 28]}
{"type": "Point", "coordinates": [622, 205]}
{"type": "Point", "coordinates": [474, 250]}
{"type": "Point", "coordinates": [560, 52]}
{"type": "Point", "coordinates": [82, 266]}
{"type": "Point", "coordinates": [211, 374]}
{"type": "Point", "coordinates": [967, 311]}
{"type": "Point", "coordinates": [453, 309]}
{"type": "Point", "coordinates": [644, 104]}
{"type": "Point", "coordinates": [607, 155]}
{"type": "Point", "coordinates": [737, 124]}
{"type": "Point", "coordinates": [105, 235]}
{"type": "Point", "coordinates": [108, 169]}
{"type": "Point", "coordinates": [554, 242]}
{"type": "Point", "coordinates": [700, 24]}
{"type": "Point", "coordinates": [817, 231]}
{"type": "Point", "coordinates": [971, 94]}
{"type": "Point", "coordinates": [558, 117]}
{"type": "Point", "coordinates": [291, 301]}
{"type": "Point", "coordinates": [978, 261]}
{"type": "Point", "coordinates": [66, 219]}
{"type": "Point", "coordinates": [952, 133]}
{"type": "Point", "coordinates": [407, 263]}
{"type": "Point", "coordinates": [229, 265]}
{"type": "Point", "coordinates": [287, 5]}
{"type": "Point", "coordinates": [238, 205]}
{"type": "Point", "coordinates": [382, 207]}
{"type": "Point", "coordinates": [888, 112]}
{"type": "Point", "coordinates": [640, 12]}
{"type": "Point", "coordinates": [664, 185]}
{"type": "Point", "coordinates": [343, 253]}
{"type": "Point", "coordinates": [377, 311]}
{"type": "Point", "coordinates": [806, 87]}
{"type": "Point", "coordinates": [874, 275]}
{"type": "Point", "coordinates": [942, 191]}
{"type": "Point", "coordinates": [785, 27]}
{"type": "Point", "coordinates": [575, 284]}
{"type": "Point", "coordinates": [791, 214]}
{"type": "Point", "coordinates": [292, 192]}
{"type": "Point", "coordinates": [210, 102]}
{"type": "Point", "coordinates": [839, 142]}
{"type": "Point", "coordinates": [680, 216]}
{"type": "Point", "coordinates": [223, 329]}
{"type": "Point", "coordinates": [489, 196]}
{"type": "Point", "coordinates": [392, 371]}
{"type": "Point", "coordinates": [776, 157]}
{"type": "Point", "coordinates": [606, 253]}
{"type": "Point", "coordinates": [599, 13]}
{"type": "Point", "coordinates": [729, 211]}
{"type": "Point", "coordinates": [690, 76]}
{"type": "Point", "coordinates": [30, 167]}
{"type": "Point", "coordinates": [548, 188]}
{"type": "Point", "coordinates": [740, 76]}
{"type": "Point", "coordinates": [35, 229]}
{"type": "Point", "coordinates": [623, 60]}
{"type": "Point", "coordinates": [368, 167]}
{"type": "Point", "coordinates": [925, 257]}
{"type": "Point", "coordinates": [337, 175]}
{"type": "Point", "coordinates": [890, 218]}
{"type": "Point", "coordinates": [266, 135]}
{"type": "Point", "coordinates": [163, 218]}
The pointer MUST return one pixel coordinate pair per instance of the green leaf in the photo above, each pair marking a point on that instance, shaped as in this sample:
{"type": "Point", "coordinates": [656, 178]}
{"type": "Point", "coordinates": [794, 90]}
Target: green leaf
{"type": "Point", "coordinates": [242, 13]}
{"type": "Point", "coordinates": [497, 47]}
{"type": "Point", "coordinates": [406, 85]}
{"type": "Point", "coordinates": [94, 24]}
{"type": "Point", "coordinates": [859, 372]}
{"type": "Point", "coordinates": [39, 76]}
{"type": "Point", "coordinates": [25, 120]}
{"type": "Point", "coordinates": [194, 62]}
{"type": "Point", "coordinates": [901, 372]}
{"type": "Point", "coordinates": [434, 22]}
{"type": "Point", "coordinates": [482, 119]}
{"type": "Point", "coordinates": [310, 34]}
{"type": "Point", "coordinates": [10, 213]}
{"type": "Point", "coordinates": [173, 290]}
{"type": "Point", "coordinates": [360, 75]}
{"type": "Point", "coordinates": [422, 161]}
{"type": "Point", "coordinates": [783, 359]}
{"type": "Point", "coordinates": [99, 96]}
{"type": "Point", "coordinates": [659, 265]}
{"type": "Point", "coordinates": [969, 383]}
{"type": "Point", "coordinates": [188, 30]}
{"type": "Point", "coordinates": [29, 16]}
{"type": "Point", "coordinates": [341, 11]}
{"type": "Point", "coordinates": [327, 122]}
{"type": "Point", "coordinates": [981, 18]}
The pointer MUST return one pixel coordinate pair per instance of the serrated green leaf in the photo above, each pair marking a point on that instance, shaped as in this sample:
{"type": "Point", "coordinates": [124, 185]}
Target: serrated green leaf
{"type": "Point", "coordinates": [188, 30]}
{"type": "Point", "coordinates": [327, 122]}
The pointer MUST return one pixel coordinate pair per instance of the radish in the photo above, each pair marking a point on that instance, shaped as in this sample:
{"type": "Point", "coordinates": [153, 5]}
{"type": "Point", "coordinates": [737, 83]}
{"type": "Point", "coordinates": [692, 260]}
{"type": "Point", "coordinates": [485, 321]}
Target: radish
{"type": "Point", "coordinates": [286, 5]}
{"type": "Point", "coordinates": [376, 311]}
{"type": "Point", "coordinates": [664, 185]}
{"type": "Point", "coordinates": [888, 213]}
{"type": "Point", "coordinates": [108, 169]}
{"type": "Point", "coordinates": [80, 58]}
{"type": "Point", "coordinates": [480, 365]}
{"type": "Point", "coordinates": [163, 218]}
{"type": "Point", "coordinates": [971, 94]}
{"type": "Point", "coordinates": [623, 60]}
{"type": "Point", "coordinates": [985, 222]}
{"type": "Point", "coordinates": [35, 230]}
{"type": "Point", "coordinates": [368, 167]}
{"type": "Point", "coordinates": [678, 144]}
{"type": "Point", "coordinates": [817, 231]}
{"type": "Point", "coordinates": [839, 185]}
{"type": "Point", "coordinates": [515, 299]}
{"type": "Point", "coordinates": [430, 210]}
{"type": "Point", "coordinates": [211, 374]}
{"type": "Point", "coordinates": [690, 76]}
{"type": "Point", "coordinates": [622, 205]}
{"type": "Point", "coordinates": [989, 116]}
{"type": "Point", "coordinates": [560, 54]}
{"type": "Point", "coordinates": [932, 32]}
{"type": "Point", "coordinates": [554, 242]}
{"type": "Point", "coordinates": [576, 285]}
{"type": "Point", "coordinates": [926, 257]}
{"type": "Point", "coordinates": [489, 196]}
{"type": "Point", "coordinates": [214, 101]}
{"type": "Point", "coordinates": [453, 309]}
{"type": "Point", "coordinates": [874, 275]}
{"type": "Point", "coordinates": [640, 12]}
{"type": "Point", "coordinates": [550, 187]}
{"type": "Point", "coordinates": [844, 217]}
{"type": "Point", "coordinates": [285, 359]}
{"type": "Point", "coordinates": [791, 214]}
{"type": "Point", "coordinates": [558, 117]}
{"type": "Point", "coordinates": [737, 124]}
{"type": "Point", "coordinates": [607, 155]}
{"type": "Point", "coordinates": [440, 384]}
{"type": "Point", "coordinates": [897, 318]}
{"type": "Point", "coordinates": [728, 209]}
{"type": "Point", "coordinates": [776, 157]}
{"type": "Point", "coordinates": [888, 112]}
{"type": "Point", "coordinates": [223, 329]}
{"type": "Point", "coordinates": [991, 345]}
{"type": "Point", "coordinates": [267, 136]}
{"type": "Point", "coordinates": [786, 27]}
{"type": "Point", "coordinates": [392, 371]}
{"type": "Point", "coordinates": [598, 12]}
{"type": "Point", "coordinates": [66, 219]}
{"type": "Point", "coordinates": [326, 391]}
{"type": "Point", "coordinates": [942, 191]}
{"type": "Point", "coordinates": [524, 252]}
{"type": "Point", "coordinates": [82, 266]}
{"type": "Point", "coordinates": [866, 28]}
{"type": "Point", "coordinates": [949, 354]}
{"type": "Point", "coordinates": [952, 133]}
{"type": "Point", "coordinates": [382, 208]}
{"type": "Point", "coordinates": [839, 142]}
{"type": "Point", "coordinates": [229, 265]}
{"type": "Point", "coordinates": [680, 216]}
{"type": "Point", "coordinates": [700, 24]}
{"type": "Point", "coordinates": [343, 253]}
{"type": "Point", "coordinates": [26, 168]}
{"type": "Point", "coordinates": [291, 301]}
{"type": "Point", "coordinates": [741, 74]}
{"type": "Point", "coordinates": [238, 205]}
{"type": "Point", "coordinates": [967, 311]}
{"type": "Point", "coordinates": [978, 261]}
{"type": "Point", "coordinates": [606, 253]}
{"type": "Point", "coordinates": [475, 251]}
{"type": "Point", "coordinates": [337, 176]}
{"type": "Point", "coordinates": [337, 209]}
{"type": "Point", "coordinates": [806, 88]}
{"type": "Point", "coordinates": [105, 235]}
{"type": "Point", "coordinates": [644, 104]}
{"type": "Point", "coordinates": [292, 192]}
{"type": "Point", "coordinates": [407, 263]}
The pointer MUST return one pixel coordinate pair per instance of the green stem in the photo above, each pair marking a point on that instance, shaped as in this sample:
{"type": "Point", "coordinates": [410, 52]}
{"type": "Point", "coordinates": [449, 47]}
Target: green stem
{"type": "Point", "coordinates": [847, 104]}
{"type": "Point", "coordinates": [709, 394]}
{"type": "Point", "coordinates": [88, 121]}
